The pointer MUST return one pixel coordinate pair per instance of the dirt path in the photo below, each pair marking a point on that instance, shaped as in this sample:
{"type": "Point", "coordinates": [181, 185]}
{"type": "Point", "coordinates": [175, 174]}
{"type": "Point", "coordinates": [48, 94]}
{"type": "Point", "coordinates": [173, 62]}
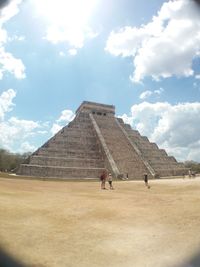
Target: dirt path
{"type": "Point", "coordinates": [71, 224]}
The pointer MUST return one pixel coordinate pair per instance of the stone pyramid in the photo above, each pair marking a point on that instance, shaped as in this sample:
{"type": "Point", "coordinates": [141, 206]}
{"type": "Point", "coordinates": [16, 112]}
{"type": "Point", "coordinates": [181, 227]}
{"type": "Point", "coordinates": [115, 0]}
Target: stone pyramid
{"type": "Point", "coordinates": [96, 140]}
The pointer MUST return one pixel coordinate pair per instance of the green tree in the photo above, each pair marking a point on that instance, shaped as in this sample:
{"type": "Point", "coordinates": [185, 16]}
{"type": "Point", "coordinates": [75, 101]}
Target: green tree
{"type": "Point", "coordinates": [11, 161]}
{"type": "Point", "coordinates": [194, 166]}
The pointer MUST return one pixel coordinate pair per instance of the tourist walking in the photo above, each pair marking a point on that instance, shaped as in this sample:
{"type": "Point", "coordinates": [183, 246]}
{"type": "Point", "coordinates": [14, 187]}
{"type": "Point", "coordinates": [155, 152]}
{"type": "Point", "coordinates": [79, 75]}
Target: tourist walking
{"type": "Point", "coordinates": [146, 180]}
{"type": "Point", "coordinates": [110, 181]}
{"type": "Point", "coordinates": [103, 179]}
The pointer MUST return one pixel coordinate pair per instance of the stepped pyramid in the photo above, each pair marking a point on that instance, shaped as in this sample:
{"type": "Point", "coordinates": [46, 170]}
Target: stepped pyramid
{"type": "Point", "coordinates": [96, 140]}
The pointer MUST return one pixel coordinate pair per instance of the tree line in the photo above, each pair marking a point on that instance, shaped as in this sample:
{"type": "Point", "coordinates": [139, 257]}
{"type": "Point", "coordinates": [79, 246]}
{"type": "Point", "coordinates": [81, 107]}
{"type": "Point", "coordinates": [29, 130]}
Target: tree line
{"type": "Point", "coordinates": [193, 166]}
{"type": "Point", "coordinates": [9, 162]}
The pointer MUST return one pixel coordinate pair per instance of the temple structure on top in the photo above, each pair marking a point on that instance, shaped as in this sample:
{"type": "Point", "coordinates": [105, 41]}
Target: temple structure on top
{"type": "Point", "coordinates": [96, 108]}
{"type": "Point", "coordinates": [96, 140]}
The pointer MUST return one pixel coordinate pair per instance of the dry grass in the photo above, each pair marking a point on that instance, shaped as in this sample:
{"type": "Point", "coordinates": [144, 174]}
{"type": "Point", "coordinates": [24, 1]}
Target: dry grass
{"type": "Point", "coordinates": [49, 223]}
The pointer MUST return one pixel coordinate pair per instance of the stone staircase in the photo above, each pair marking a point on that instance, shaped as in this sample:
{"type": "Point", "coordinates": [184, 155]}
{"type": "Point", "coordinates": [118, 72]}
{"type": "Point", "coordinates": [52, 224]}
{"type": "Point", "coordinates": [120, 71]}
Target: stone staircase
{"type": "Point", "coordinates": [125, 157]}
{"type": "Point", "coordinates": [161, 163]}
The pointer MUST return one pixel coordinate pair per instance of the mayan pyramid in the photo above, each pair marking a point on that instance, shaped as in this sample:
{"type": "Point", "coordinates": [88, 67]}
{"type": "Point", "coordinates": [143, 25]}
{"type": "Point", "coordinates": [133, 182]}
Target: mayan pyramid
{"type": "Point", "coordinates": [96, 140]}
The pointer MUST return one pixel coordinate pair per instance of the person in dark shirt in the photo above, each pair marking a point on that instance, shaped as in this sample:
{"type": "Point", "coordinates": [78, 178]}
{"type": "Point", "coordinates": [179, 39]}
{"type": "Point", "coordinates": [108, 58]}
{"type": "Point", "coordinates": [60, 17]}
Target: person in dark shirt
{"type": "Point", "coordinates": [103, 179]}
{"type": "Point", "coordinates": [146, 180]}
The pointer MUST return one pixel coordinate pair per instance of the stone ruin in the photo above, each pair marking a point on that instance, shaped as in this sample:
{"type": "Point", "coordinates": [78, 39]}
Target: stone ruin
{"type": "Point", "coordinates": [96, 140]}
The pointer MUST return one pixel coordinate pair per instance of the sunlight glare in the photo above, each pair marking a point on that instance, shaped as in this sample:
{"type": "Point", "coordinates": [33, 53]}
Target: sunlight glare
{"type": "Point", "coordinates": [66, 13]}
{"type": "Point", "coordinates": [67, 20]}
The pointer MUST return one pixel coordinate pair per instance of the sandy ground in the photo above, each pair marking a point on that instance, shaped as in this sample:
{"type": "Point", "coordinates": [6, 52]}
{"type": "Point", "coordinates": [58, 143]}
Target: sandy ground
{"type": "Point", "coordinates": [68, 224]}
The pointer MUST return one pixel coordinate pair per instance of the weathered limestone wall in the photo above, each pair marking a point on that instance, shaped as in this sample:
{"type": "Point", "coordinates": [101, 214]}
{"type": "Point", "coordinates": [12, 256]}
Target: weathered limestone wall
{"type": "Point", "coordinates": [72, 153]}
{"type": "Point", "coordinates": [60, 172]}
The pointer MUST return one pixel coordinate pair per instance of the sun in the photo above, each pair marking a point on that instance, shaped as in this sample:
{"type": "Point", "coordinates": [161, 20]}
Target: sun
{"type": "Point", "coordinates": [67, 20]}
{"type": "Point", "coordinates": [65, 12]}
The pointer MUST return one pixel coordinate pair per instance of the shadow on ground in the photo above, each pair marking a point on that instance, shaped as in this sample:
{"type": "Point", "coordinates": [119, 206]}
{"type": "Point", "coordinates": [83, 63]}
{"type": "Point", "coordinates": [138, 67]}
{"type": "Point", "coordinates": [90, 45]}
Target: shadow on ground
{"type": "Point", "coordinates": [193, 262]}
{"type": "Point", "coordinates": [7, 260]}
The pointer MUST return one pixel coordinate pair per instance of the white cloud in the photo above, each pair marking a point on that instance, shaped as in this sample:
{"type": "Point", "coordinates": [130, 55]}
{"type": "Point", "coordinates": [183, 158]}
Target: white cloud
{"type": "Point", "coordinates": [127, 119]}
{"type": "Point", "coordinates": [67, 21]}
{"type": "Point", "coordinates": [61, 53]}
{"type": "Point", "coordinates": [42, 132]}
{"type": "Point", "coordinates": [10, 10]}
{"type": "Point", "coordinates": [11, 64]}
{"type": "Point", "coordinates": [26, 147]}
{"type": "Point", "coordinates": [14, 132]}
{"type": "Point", "coordinates": [197, 76]}
{"type": "Point", "coordinates": [159, 91]}
{"type": "Point", "coordinates": [8, 63]}
{"type": "Point", "coordinates": [6, 103]}
{"type": "Point", "coordinates": [3, 35]}
{"type": "Point", "coordinates": [126, 42]}
{"type": "Point", "coordinates": [66, 116]}
{"type": "Point", "coordinates": [55, 128]}
{"type": "Point", "coordinates": [16, 38]}
{"type": "Point", "coordinates": [175, 128]}
{"type": "Point", "coordinates": [145, 94]}
{"type": "Point", "coordinates": [172, 36]}
{"type": "Point", "coordinates": [72, 52]}
{"type": "Point", "coordinates": [74, 37]}
{"type": "Point", "coordinates": [23, 125]}
{"type": "Point", "coordinates": [148, 93]}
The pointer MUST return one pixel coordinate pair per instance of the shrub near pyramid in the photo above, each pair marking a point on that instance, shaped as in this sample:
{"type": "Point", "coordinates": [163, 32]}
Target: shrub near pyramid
{"type": "Point", "coordinates": [96, 140]}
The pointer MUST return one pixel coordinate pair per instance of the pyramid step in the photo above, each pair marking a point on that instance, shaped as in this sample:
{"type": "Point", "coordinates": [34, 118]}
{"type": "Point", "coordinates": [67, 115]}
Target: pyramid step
{"type": "Point", "coordinates": [60, 172]}
{"type": "Point", "coordinates": [70, 154]}
{"type": "Point", "coordinates": [66, 162]}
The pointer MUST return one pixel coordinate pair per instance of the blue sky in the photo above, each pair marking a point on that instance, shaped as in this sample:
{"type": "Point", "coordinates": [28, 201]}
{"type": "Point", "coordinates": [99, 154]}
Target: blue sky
{"type": "Point", "coordinates": [141, 56]}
